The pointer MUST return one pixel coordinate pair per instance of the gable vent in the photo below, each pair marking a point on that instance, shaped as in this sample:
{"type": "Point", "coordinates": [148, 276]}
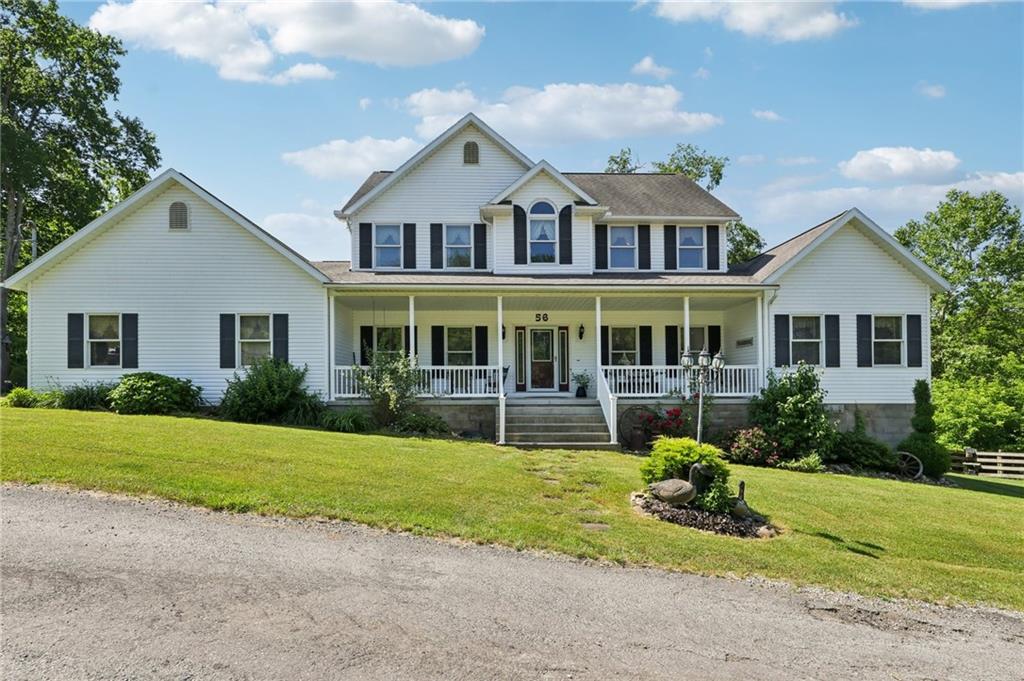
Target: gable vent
{"type": "Point", "coordinates": [178, 215]}
{"type": "Point", "coordinates": [471, 153]}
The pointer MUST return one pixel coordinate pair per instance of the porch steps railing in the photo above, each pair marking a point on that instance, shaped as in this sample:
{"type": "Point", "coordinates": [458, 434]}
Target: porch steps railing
{"type": "Point", "coordinates": [609, 406]}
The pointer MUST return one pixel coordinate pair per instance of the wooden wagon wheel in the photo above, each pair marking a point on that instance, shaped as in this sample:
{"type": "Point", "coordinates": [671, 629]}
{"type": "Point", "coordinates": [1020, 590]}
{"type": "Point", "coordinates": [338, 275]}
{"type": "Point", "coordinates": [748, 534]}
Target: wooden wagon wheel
{"type": "Point", "coordinates": [634, 417]}
{"type": "Point", "coordinates": [909, 466]}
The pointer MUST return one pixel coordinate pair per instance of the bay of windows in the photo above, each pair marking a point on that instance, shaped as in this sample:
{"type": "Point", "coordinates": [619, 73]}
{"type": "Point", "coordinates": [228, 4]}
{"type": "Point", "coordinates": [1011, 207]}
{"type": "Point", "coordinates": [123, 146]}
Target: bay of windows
{"type": "Point", "coordinates": [105, 340]}
{"type": "Point", "coordinates": [887, 340]}
{"type": "Point", "coordinates": [622, 247]}
{"type": "Point", "coordinates": [387, 242]}
{"type": "Point", "coordinates": [458, 246]}
{"type": "Point", "coordinates": [542, 233]}
{"type": "Point", "coordinates": [691, 248]}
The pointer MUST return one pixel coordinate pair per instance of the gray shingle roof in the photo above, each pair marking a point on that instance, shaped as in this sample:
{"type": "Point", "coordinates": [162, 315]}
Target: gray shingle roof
{"type": "Point", "coordinates": [369, 183]}
{"type": "Point", "coordinates": [762, 266]}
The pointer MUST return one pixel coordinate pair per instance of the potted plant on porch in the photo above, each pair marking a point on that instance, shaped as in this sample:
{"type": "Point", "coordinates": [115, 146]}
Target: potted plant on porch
{"type": "Point", "coordinates": [582, 380]}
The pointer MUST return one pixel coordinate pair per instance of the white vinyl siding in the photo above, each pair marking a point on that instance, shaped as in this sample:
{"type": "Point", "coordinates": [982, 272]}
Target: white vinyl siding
{"type": "Point", "coordinates": [178, 284]}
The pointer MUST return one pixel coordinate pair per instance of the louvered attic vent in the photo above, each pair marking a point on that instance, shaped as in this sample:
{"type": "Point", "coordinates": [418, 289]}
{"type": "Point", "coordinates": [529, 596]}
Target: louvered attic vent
{"type": "Point", "coordinates": [471, 153]}
{"type": "Point", "coordinates": [178, 215]}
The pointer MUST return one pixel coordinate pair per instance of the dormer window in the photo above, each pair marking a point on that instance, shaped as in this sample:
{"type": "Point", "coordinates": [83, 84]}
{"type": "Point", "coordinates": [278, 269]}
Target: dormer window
{"type": "Point", "coordinates": [177, 216]}
{"type": "Point", "coordinates": [691, 248]}
{"type": "Point", "coordinates": [622, 247]}
{"type": "Point", "coordinates": [542, 233]}
{"type": "Point", "coordinates": [471, 153]}
{"type": "Point", "coordinates": [387, 241]}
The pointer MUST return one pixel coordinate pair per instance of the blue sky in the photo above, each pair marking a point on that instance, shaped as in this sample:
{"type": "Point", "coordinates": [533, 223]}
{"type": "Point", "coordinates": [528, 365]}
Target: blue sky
{"type": "Point", "coordinates": [281, 109]}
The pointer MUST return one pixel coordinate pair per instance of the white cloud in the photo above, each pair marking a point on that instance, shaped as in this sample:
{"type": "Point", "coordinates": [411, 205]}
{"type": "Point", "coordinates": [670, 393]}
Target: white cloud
{"type": "Point", "coordinates": [352, 160]}
{"type": "Point", "coordinates": [779, 21]}
{"type": "Point", "coordinates": [796, 160]}
{"type": "Point", "coordinates": [562, 112]}
{"type": "Point", "coordinates": [944, 4]}
{"type": "Point", "coordinates": [933, 90]}
{"type": "Point", "coordinates": [244, 40]}
{"type": "Point", "coordinates": [750, 159]}
{"type": "Point", "coordinates": [899, 163]}
{"type": "Point", "coordinates": [364, 103]}
{"type": "Point", "coordinates": [702, 73]}
{"type": "Point", "coordinates": [766, 115]}
{"type": "Point", "coordinates": [648, 67]}
{"type": "Point", "coordinates": [708, 54]}
{"type": "Point", "coordinates": [316, 237]}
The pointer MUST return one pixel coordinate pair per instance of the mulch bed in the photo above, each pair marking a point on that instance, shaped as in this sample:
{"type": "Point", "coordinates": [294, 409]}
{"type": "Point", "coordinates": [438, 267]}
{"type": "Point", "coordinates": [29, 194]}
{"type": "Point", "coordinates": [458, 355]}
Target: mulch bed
{"type": "Point", "coordinates": [719, 523]}
{"type": "Point", "coordinates": [846, 469]}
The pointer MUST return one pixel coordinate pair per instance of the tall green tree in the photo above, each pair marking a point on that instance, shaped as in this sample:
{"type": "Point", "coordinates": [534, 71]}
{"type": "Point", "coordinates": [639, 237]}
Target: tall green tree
{"type": "Point", "coordinates": [623, 162]}
{"type": "Point", "coordinates": [976, 242]}
{"type": "Point", "coordinates": [745, 242]}
{"type": "Point", "coordinates": [65, 155]}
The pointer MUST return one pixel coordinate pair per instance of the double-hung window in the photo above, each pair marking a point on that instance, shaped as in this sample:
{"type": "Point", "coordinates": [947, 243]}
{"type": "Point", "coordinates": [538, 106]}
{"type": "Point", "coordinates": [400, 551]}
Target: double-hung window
{"type": "Point", "coordinates": [390, 341]}
{"type": "Point", "coordinates": [458, 243]}
{"type": "Point", "coordinates": [105, 340]}
{"type": "Point", "coordinates": [622, 247]}
{"type": "Point", "coordinates": [387, 241]}
{"type": "Point", "coordinates": [542, 233]}
{"type": "Point", "coordinates": [691, 248]}
{"type": "Point", "coordinates": [459, 350]}
{"type": "Point", "coordinates": [887, 340]}
{"type": "Point", "coordinates": [698, 338]}
{"type": "Point", "coordinates": [254, 340]}
{"type": "Point", "coordinates": [623, 346]}
{"type": "Point", "coordinates": [806, 339]}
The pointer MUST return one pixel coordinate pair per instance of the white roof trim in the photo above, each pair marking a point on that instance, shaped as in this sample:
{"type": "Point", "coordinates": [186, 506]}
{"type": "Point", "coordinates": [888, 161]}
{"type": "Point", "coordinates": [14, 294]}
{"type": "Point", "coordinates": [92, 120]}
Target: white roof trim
{"type": "Point", "coordinates": [895, 248]}
{"type": "Point", "coordinates": [543, 166]}
{"type": "Point", "coordinates": [468, 119]}
{"type": "Point", "coordinates": [80, 237]}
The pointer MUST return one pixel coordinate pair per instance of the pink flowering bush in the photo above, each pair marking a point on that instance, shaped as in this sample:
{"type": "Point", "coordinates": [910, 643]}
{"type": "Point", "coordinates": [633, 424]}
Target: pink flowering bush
{"type": "Point", "coordinates": [752, 446]}
{"type": "Point", "coordinates": [670, 423]}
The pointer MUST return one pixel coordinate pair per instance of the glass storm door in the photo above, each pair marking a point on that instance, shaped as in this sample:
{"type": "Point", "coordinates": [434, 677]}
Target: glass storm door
{"type": "Point", "coordinates": [542, 359]}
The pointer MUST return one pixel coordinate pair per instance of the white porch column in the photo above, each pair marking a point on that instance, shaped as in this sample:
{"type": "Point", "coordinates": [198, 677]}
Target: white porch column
{"type": "Point", "coordinates": [760, 340]}
{"type": "Point", "coordinates": [597, 332]}
{"type": "Point", "coordinates": [331, 345]}
{"type": "Point", "coordinates": [412, 330]}
{"type": "Point", "coordinates": [686, 324]}
{"type": "Point", "coordinates": [501, 376]}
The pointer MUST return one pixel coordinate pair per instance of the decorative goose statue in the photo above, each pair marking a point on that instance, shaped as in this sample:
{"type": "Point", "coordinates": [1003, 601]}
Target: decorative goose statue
{"type": "Point", "coordinates": [676, 492]}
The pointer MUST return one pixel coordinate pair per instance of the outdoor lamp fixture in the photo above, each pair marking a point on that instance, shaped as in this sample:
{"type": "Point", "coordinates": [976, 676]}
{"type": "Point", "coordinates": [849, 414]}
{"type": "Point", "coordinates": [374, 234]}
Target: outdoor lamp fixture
{"type": "Point", "coordinates": [702, 373]}
{"type": "Point", "coordinates": [581, 332]}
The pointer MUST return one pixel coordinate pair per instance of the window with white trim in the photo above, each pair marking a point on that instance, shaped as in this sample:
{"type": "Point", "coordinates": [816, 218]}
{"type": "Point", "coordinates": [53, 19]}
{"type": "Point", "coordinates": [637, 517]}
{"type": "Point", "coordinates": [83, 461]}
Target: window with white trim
{"type": "Point", "coordinates": [698, 338]}
{"type": "Point", "coordinates": [805, 339]}
{"type": "Point", "coordinates": [389, 341]}
{"type": "Point", "coordinates": [104, 340]}
{"type": "Point", "coordinates": [623, 341]}
{"type": "Point", "coordinates": [542, 232]}
{"type": "Point", "coordinates": [459, 346]}
{"type": "Point", "coordinates": [254, 339]}
{"type": "Point", "coordinates": [458, 245]}
{"type": "Point", "coordinates": [387, 242]}
{"type": "Point", "coordinates": [622, 247]}
{"type": "Point", "coordinates": [887, 340]}
{"type": "Point", "coordinates": [691, 248]}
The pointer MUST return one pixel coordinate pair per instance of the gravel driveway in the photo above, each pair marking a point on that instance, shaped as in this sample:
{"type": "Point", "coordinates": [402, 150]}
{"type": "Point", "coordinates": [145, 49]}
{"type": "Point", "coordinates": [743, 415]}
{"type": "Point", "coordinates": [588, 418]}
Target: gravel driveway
{"type": "Point", "coordinates": [96, 586]}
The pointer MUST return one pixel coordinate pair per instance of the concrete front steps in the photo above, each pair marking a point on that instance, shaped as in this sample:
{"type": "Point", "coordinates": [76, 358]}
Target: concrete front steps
{"type": "Point", "coordinates": [559, 422]}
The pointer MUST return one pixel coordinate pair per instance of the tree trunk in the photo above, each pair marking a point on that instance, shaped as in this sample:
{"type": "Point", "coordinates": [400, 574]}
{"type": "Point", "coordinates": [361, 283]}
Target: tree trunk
{"type": "Point", "coordinates": [12, 245]}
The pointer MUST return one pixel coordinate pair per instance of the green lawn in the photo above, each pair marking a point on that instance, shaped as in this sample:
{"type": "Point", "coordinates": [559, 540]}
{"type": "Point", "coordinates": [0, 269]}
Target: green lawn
{"type": "Point", "coordinates": [876, 537]}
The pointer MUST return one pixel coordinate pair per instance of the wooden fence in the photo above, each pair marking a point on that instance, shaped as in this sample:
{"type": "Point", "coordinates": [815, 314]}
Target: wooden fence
{"type": "Point", "coordinates": [999, 464]}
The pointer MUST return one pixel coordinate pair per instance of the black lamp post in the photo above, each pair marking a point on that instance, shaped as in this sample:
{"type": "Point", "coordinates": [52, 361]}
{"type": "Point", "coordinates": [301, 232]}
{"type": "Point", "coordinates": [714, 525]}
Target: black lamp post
{"type": "Point", "coordinates": [702, 372]}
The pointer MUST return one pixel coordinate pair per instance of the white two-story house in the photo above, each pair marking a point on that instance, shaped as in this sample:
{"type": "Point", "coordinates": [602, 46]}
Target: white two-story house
{"type": "Point", "coordinates": [502, 278]}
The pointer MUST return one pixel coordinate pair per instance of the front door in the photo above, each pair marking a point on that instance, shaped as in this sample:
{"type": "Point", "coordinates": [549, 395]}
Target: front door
{"type": "Point", "coordinates": [542, 359]}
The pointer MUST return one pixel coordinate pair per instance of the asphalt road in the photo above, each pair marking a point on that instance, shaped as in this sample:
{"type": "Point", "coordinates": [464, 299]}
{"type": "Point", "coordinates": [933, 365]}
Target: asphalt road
{"type": "Point", "coordinates": [102, 587]}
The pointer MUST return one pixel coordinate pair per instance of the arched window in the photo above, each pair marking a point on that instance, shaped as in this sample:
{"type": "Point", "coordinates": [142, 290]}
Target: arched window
{"type": "Point", "coordinates": [471, 153]}
{"type": "Point", "coordinates": [177, 217]}
{"type": "Point", "coordinates": [542, 232]}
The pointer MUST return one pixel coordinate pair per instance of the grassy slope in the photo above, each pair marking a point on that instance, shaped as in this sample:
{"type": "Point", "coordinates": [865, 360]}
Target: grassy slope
{"type": "Point", "coordinates": [873, 536]}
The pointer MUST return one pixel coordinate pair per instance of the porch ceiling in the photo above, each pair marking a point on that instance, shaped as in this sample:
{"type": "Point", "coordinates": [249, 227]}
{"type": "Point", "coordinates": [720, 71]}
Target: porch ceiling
{"type": "Point", "coordinates": [553, 302]}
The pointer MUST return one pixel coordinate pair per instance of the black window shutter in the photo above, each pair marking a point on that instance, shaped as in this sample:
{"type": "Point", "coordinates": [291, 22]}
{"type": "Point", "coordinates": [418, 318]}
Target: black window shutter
{"type": "Point", "coordinates": [519, 234]}
{"type": "Point", "coordinates": [227, 341]}
{"type": "Point", "coordinates": [76, 340]}
{"type": "Point", "coordinates": [130, 341]}
{"type": "Point", "coordinates": [864, 340]}
{"type": "Point", "coordinates": [565, 235]}
{"type": "Point", "coordinates": [409, 245]}
{"type": "Point", "coordinates": [280, 324]}
{"type": "Point", "coordinates": [436, 246]}
{"type": "Point", "coordinates": [481, 346]}
{"type": "Point", "coordinates": [714, 338]}
{"type": "Point", "coordinates": [831, 340]}
{"type": "Point", "coordinates": [672, 345]}
{"type": "Point", "coordinates": [365, 344]}
{"type": "Point", "coordinates": [405, 340]}
{"type": "Point", "coordinates": [646, 353]}
{"type": "Point", "coordinates": [604, 346]}
{"type": "Point", "coordinates": [670, 247]}
{"type": "Point", "coordinates": [365, 245]}
{"type": "Point", "coordinates": [480, 246]}
{"type": "Point", "coordinates": [913, 340]}
{"type": "Point", "coordinates": [712, 238]}
{"type": "Point", "coordinates": [643, 242]}
{"type": "Point", "coordinates": [437, 346]}
{"type": "Point", "coordinates": [601, 247]}
{"type": "Point", "coordinates": [781, 340]}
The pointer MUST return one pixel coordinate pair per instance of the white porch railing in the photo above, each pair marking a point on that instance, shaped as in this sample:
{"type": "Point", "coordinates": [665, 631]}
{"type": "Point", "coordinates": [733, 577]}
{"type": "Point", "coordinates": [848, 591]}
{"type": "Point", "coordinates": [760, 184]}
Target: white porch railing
{"type": "Point", "coordinates": [472, 381]}
{"type": "Point", "coordinates": [659, 381]}
{"type": "Point", "coordinates": [609, 406]}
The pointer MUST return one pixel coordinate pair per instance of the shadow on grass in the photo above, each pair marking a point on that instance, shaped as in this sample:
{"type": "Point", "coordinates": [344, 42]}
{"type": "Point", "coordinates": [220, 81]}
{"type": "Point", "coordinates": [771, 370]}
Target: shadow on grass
{"type": "Point", "coordinates": [859, 547]}
{"type": "Point", "coordinates": [990, 485]}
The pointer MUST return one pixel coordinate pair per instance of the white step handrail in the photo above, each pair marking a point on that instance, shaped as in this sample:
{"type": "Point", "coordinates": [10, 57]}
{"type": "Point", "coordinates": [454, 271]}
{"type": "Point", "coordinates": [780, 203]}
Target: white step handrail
{"type": "Point", "coordinates": [609, 406]}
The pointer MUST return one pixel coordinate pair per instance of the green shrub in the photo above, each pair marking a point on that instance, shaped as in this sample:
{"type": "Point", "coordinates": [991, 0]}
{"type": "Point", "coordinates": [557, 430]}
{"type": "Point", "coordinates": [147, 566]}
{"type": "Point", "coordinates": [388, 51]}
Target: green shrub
{"type": "Point", "coordinates": [87, 396]}
{"type": "Point", "coordinates": [672, 457]}
{"type": "Point", "coordinates": [51, 399]}
{"type": "Point", "coordinates": [716, 499]}
{"type": "Point", "coordinates": [753, 447]}
{"type": "Point", "coordinates": [985, 414]}
{"type": "Point", "coordinates": [791, 411]}
{"type": "Point", "coordinates": [860, 450]}
{"type": "Point", "coordinates": [147, 392]}
{"type": "Point", "coordinates": [808, 464]}
{"type": "Point", "coordinates": [270, 391]}
{"type": "Point", "coordinates": [921, 443]}
{"type": "Point", "coordinates": [392, 384]}
{"type": "Point", "coordinates": [307, 410]}
{"type": "Point", "coordinates": [421, 423]}
{"type": "Point", "coordinates": [348, 421]}
{"type": "Point", "coordinates": [22, 398]}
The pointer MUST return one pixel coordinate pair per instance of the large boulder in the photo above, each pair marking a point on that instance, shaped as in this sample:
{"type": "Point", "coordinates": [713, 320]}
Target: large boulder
{"type": "Point", "coordinates": [673, 491]}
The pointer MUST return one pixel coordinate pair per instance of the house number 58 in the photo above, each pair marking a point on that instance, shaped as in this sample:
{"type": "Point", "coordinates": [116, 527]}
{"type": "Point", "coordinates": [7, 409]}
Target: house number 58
{"type": "Point", "coordinates": [541, 317]}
